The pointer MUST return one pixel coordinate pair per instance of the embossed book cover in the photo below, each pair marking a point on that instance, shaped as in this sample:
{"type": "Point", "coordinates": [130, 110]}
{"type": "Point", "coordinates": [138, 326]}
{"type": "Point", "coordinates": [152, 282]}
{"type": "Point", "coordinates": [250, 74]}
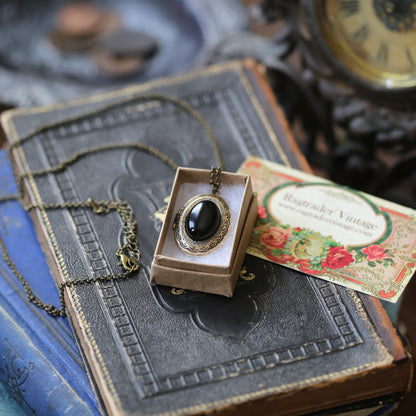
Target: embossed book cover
{"type": "Point", "coordinates": [286, 343]}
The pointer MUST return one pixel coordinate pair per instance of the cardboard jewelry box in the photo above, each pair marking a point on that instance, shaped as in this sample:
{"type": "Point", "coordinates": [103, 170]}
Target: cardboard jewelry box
{"type": "Point", "coordinates": [216, 271]}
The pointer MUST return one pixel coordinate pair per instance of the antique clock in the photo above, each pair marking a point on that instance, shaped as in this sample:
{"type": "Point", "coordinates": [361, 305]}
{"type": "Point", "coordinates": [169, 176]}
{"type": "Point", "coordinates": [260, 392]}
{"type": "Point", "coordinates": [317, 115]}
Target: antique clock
{"type": "Point", "coordinates": [369, 45]}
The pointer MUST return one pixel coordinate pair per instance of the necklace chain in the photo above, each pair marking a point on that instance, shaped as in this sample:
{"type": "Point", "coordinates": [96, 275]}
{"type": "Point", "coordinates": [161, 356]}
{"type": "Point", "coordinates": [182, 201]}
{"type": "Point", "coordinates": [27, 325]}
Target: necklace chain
{"type": "Point", "coordinates": [215, 180]}
{"type": "Point", "coordinates": [128, 253]}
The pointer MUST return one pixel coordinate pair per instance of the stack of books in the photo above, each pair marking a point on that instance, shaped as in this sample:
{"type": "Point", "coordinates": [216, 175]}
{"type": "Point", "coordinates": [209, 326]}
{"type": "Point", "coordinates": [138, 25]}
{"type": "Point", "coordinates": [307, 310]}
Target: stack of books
{"type": "Point", "coordinates": [285, 344]}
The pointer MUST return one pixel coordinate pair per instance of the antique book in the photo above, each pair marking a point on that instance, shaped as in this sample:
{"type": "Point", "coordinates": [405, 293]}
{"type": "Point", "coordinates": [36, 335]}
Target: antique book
{"type": "Point", "coordinates": [40, 364]}
{"type": "Point", "coordinates": [286, 343]}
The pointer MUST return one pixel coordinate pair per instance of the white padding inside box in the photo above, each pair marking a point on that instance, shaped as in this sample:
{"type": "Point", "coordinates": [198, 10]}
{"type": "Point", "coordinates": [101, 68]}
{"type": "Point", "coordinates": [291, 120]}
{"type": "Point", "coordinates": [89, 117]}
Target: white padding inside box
{"type": "Point", "coordinates": [221, 256]}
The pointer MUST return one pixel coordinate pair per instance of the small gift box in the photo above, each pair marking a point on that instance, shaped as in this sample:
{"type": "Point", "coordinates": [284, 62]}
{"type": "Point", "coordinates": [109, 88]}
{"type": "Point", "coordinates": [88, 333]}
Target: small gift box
{"type": "Point", "coordinates": [185, 259]}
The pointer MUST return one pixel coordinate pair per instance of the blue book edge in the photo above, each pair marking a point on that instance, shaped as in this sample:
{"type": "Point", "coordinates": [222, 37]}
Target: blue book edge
{"type": "Point", "coordinates": [40, 364]}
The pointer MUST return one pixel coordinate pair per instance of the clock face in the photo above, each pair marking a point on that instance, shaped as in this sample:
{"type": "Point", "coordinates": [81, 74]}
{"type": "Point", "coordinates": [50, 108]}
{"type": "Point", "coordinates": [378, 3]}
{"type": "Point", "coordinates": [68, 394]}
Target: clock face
{"type": "Point", "coordinates": [372, 41]}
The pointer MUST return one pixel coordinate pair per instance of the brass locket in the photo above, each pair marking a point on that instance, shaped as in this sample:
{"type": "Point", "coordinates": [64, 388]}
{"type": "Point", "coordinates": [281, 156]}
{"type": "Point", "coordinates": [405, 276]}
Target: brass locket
{"type": "Point", "coordinates": [204, 221]}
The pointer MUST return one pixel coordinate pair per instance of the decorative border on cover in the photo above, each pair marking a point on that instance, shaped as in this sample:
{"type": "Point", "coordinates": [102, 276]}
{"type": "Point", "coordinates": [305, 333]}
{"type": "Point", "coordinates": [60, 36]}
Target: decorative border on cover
{"type": "Point", "coordinates": [348, 337]}
{"type": "Point", "coordinates": [98, 263]}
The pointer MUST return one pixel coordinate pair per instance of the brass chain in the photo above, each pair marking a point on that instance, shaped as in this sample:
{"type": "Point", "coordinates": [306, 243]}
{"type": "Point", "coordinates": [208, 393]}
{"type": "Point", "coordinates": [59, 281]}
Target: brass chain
{"type": "Point", "coordinates": [215, 180]}
{"type": "Point", "coordinates": [143, 97]}
{"type": "Point", "coordinates": [85, 153]}
{"type": "Point", "coordinates": [128, 253]}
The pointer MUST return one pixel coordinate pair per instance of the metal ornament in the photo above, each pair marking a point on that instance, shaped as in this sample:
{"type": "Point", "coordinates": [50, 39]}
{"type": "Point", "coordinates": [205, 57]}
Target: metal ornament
{"type": "Point", "coordinates": [204, 221]}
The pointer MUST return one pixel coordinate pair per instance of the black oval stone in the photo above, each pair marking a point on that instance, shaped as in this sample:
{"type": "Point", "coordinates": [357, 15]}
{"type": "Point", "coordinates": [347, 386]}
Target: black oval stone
{"type": "Point", "coordinates": [203, 220]}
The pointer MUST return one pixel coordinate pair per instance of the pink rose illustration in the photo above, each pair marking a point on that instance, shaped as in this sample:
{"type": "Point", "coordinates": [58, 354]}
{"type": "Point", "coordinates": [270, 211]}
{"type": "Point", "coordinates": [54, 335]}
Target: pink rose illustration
{"type": "Point", "coordinates": [286, 258]}
{"type": "Point", "coordinates": [275, 237]}
{"type": "Point", "coordinates": [304, 265]}
{"type": "Point", "coordinates": [272, 258]}
{"type": "Point", "coordinates": [337, 258]}
{"type": "Point", "coordinates": [374, 252]}
{"type": "Point", "coordinates": [283, 259]}
{"type": "Point", "coordinates": [261, 212]}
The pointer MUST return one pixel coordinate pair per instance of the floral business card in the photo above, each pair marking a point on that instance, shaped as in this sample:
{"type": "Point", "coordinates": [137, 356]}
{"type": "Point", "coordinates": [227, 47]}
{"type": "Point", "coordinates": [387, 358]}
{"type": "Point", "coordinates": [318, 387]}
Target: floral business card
{"type": "Point", "coordinates": [317, 227]}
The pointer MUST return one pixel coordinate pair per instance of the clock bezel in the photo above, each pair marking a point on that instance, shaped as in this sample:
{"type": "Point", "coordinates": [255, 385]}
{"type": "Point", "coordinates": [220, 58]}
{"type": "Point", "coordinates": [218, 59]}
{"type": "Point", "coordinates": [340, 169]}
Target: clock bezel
{"type": "Point", "coordinates": [366, 80]}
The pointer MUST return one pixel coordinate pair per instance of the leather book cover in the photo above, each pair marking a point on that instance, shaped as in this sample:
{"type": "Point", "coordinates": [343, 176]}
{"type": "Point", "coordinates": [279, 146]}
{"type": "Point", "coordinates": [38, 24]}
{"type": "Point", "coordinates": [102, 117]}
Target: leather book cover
{"type": "Point", "coordinates": [285, 344]}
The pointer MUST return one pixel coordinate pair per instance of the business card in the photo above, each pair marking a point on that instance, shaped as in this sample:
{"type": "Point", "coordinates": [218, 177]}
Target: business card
{"type": "Point", "coordinates": [338, 234]}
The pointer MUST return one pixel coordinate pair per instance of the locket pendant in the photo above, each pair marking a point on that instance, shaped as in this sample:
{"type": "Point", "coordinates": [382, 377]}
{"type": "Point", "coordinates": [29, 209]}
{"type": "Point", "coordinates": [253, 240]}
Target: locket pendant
{"type": "Point", "coordinates": [204, 221]}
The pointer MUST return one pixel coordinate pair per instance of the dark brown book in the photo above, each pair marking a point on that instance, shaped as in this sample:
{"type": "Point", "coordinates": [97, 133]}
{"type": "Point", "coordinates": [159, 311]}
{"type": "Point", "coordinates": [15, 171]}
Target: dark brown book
{"type": "Point", "coordinates": [285, 344]}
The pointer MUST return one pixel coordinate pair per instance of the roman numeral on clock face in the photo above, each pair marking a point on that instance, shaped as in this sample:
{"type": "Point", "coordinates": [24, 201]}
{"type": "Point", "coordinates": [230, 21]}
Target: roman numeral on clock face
{"type": "Point", "coordinates": [349, 7]}
{"type": "Point", "coordinates": [410, 59]}
{"type": "Point", "coordinates": [360, 35]}
{"type": "Point", "coordinates": [383, 53]}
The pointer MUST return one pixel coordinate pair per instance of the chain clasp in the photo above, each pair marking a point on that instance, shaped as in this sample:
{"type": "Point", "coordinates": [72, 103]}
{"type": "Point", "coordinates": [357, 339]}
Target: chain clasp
{"type": "Point", "coordinates": [98, 207]}
{"type": "Point", "coordinates": [130, 264]}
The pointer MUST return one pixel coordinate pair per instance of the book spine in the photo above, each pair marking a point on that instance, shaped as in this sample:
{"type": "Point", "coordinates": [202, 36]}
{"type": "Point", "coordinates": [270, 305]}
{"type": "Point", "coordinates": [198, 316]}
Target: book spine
{"type": "Point", "coordinates": [40, 365]}
{"type": "Point", "coordinates": [30, 377]}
